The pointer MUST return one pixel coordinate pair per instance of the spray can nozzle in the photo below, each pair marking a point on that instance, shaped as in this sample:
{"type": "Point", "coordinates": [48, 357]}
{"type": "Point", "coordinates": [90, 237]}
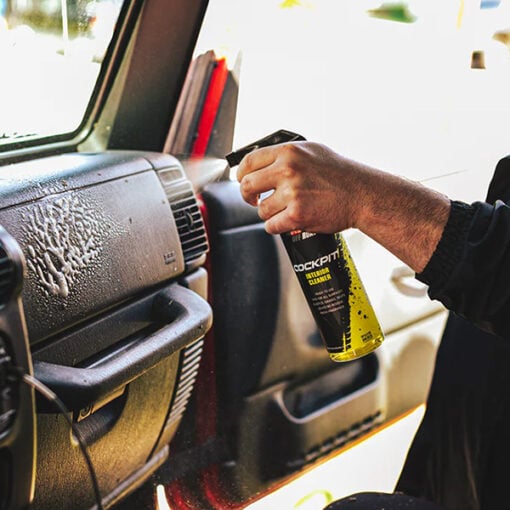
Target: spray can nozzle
{"type": "Point", "coordinates": [281, 136]}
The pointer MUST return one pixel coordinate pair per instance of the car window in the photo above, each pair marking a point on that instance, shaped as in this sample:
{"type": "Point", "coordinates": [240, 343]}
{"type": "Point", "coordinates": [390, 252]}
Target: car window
{"type": "Point", "coordinates": [419, 87]}
{"type": "Point", "coordinates": [50, 56]}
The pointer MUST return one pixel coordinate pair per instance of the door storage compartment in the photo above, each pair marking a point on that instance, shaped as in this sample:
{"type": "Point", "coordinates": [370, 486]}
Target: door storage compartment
{"type": "Point", "coordinates": [314, 418]}
{"type": "Point", "coordinates": [286, 427]}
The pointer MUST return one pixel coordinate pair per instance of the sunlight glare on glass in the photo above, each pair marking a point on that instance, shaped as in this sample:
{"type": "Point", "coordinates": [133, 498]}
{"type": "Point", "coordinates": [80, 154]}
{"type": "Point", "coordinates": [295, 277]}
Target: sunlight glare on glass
{"type": "Point", "coordinates": [50, 57]}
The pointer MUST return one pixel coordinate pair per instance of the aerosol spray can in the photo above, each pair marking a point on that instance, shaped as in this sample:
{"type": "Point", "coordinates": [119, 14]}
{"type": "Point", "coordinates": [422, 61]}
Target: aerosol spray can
{"type": "Point", "coordinates": [329, 279]}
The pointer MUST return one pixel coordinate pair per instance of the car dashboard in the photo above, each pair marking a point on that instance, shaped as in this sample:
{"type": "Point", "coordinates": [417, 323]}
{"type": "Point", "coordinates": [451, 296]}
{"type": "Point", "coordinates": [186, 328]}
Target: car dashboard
{"type": "Point", "coordinates": [103, 303]}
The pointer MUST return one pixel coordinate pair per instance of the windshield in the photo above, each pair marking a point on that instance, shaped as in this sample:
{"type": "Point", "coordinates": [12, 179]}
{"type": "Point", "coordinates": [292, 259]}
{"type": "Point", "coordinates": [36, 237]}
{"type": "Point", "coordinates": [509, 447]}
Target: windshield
{"type": "Point", "coordinates": [50, 56]}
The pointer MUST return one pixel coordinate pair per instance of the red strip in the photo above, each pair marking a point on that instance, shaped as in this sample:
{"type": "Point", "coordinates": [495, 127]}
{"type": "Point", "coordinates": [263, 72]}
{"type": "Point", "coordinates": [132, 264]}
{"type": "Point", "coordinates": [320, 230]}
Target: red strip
{"type": "Point", "coordinates": [210, 108]}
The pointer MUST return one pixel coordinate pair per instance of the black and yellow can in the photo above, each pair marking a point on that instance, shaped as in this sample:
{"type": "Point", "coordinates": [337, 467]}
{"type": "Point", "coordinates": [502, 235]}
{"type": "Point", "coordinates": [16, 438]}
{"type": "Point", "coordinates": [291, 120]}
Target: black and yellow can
{"type": "Point", "coordinates": [335, 294]}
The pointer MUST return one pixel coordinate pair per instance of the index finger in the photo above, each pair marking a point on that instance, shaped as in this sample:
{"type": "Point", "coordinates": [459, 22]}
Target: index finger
{"type": "Point", "coordinates": [256, 160]}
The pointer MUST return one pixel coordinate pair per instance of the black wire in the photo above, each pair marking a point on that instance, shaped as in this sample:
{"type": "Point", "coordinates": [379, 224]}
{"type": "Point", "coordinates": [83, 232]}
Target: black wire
{"type": "Point", "coordinates": [52, 397]}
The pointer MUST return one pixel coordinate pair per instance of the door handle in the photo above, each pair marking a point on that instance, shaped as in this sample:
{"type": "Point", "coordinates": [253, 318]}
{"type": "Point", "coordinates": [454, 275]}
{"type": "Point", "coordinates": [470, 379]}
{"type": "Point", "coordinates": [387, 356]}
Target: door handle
{"type": "Point", "coordinates": [403, 279]}
{"type": "Point", "coordinates": [186, 317]}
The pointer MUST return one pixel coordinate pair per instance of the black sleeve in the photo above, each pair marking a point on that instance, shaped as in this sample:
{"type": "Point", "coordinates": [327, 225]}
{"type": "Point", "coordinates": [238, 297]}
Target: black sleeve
{"type": "Point", "coordinates": [469, 271]}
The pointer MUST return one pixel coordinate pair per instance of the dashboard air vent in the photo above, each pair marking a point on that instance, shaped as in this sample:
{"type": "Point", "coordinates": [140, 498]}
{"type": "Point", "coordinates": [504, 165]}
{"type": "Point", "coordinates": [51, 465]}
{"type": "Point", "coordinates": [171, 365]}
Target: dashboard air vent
{"type": "Point", "coordinates": [188, 217]}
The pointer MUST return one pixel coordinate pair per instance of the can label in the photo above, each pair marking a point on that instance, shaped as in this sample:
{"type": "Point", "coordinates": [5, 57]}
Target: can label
{"type": "Point", "coordinates": [334, 292]}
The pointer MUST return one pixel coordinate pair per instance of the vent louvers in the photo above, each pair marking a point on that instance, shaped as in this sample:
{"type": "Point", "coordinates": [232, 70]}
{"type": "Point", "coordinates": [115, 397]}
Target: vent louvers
{"type": "Point", "coordinates": [188, 219]}
{"type": "Point", "coordinates": [190, 363]}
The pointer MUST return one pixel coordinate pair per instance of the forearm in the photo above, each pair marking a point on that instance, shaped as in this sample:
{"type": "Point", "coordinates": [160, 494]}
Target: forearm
{"type": "Point", "coordinates": [403, 216]}
{"type": "Point", "coordinates": [461, 251]}
{"type": "Point", "coordinates": [318, 190]}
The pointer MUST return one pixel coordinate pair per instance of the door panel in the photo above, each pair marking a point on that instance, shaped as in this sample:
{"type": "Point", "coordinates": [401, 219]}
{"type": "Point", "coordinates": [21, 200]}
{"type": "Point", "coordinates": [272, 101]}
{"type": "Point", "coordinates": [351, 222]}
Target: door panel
{"type": "Point", "coordinates": [282, 402]}
{"type": "Point", "coordinates": [279, 403]}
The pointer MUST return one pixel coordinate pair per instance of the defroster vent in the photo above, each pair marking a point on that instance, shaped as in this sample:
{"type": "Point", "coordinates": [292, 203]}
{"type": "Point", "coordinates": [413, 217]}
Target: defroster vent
{"type": "Point", "coordinates": [188, 217]}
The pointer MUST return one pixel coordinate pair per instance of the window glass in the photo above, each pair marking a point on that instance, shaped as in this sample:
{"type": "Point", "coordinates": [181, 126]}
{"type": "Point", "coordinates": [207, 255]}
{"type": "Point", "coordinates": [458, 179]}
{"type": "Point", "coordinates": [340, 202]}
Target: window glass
{"type": "Point", "coordinates": [420, 88]}
{"type": "Point", "coordinates": [50, 55]}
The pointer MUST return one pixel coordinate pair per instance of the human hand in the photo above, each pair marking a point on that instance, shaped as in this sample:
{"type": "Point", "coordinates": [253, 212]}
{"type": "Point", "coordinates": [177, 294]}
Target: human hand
{"type": "Point", "coordinates": [315, 189]}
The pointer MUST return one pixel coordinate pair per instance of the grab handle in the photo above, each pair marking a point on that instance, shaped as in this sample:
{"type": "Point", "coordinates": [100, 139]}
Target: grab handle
{"type": "Point", "coordinates": [187, 317]}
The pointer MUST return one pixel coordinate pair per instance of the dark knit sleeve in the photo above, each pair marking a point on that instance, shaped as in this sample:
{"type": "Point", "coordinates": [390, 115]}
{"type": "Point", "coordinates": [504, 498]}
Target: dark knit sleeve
{"type": "Point", "coordinates": [469, 272]}
{"type": "Point", "coordinates": [451, 246]}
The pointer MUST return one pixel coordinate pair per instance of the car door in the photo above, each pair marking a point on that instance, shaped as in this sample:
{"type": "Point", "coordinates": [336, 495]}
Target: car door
{"type": "Point", "coordinates": [350, 76]}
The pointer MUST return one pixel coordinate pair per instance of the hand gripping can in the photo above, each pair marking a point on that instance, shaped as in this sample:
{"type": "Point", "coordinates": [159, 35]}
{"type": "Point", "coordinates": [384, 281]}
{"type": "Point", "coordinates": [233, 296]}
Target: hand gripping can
{"type": "Point", "coordinates": [335, 294]}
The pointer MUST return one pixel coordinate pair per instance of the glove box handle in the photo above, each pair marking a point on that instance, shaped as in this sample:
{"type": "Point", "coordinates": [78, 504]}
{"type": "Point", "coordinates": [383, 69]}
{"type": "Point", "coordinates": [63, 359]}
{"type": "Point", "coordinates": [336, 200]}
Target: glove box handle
{"type": "Point", "coordinates": [186, 317]}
